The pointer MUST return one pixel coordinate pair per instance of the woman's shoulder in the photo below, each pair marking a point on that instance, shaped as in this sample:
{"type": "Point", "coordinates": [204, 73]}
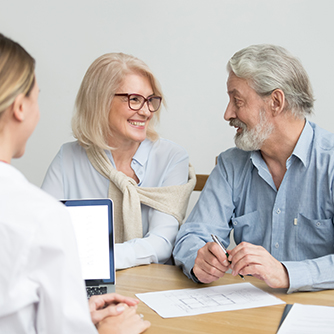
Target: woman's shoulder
{"type": "Point", "coordinates": [166, 145]}
{"type": "Point", "coordinates": [72, 146]}
{"type": "Point", "coordinates": [162, 152]}
{"type": "Point", "coordinates": [71, 150]}
{"type": "Point", "coordinates": [34, 202]}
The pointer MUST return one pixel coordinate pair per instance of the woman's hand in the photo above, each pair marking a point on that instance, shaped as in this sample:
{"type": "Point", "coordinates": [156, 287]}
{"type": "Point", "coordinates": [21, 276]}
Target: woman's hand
{"type": "Point", "coordinates": [111, 304]}
{"type": "Point", "coordinates": [128, 322]}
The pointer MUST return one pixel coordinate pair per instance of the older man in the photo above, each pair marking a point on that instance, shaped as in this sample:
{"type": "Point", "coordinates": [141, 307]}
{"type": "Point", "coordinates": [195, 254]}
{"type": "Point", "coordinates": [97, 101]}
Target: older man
{"type": "Point", "coordinates": [275, 189]}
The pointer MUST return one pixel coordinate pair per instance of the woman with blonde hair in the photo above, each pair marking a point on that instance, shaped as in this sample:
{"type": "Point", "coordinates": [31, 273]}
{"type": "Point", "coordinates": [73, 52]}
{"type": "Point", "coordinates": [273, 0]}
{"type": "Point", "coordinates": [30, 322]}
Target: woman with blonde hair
{"type": "Point", "coordinates": [118, 154]}
{"type": "Point", "coordinates": [42, 290]}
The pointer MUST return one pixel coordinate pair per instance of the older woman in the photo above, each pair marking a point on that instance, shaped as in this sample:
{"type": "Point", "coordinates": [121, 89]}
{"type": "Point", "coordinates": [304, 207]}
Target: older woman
{"type": "Point", "coordinates": [119, 155]}
{"type": "Point", "coordinates": [41, 288]}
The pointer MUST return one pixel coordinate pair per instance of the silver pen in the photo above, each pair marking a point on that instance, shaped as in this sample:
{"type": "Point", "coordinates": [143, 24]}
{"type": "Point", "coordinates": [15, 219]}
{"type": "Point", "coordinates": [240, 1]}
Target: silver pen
{"type": "Point", "coordinates": [216, 240]}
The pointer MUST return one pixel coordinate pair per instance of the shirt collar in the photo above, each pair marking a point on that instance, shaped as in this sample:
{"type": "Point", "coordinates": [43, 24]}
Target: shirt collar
{"type": "Point", "coordinates": [304, 144]}
{"type": "Point", "coordinates": [257, 159]}
{"type": "Point", "coordinates": [141, 155]}
{"type": "Point", "coordinates": [302, 149]}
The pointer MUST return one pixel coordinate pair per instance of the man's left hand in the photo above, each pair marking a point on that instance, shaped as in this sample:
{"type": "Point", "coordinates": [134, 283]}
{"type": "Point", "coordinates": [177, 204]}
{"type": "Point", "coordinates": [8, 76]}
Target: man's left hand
{"type": "Point", "coordinates": [248, 259]}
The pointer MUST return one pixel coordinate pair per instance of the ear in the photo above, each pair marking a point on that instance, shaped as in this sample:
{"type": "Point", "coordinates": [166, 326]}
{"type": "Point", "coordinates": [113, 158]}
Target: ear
{"type": "Point", "coordinates": [277, 101]}
{"type": "Point", "coordinates": [18, 108]}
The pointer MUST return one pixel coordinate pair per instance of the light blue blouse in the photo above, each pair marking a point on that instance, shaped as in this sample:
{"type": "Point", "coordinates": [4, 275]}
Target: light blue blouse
{"type": "Point", "coordinates": [294, 223]}
{"type": "Point", "coordinates": [156, 164]}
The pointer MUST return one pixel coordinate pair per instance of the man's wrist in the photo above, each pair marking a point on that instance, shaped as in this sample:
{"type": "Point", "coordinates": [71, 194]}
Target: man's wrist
{"type": "Point", "coordinates": [193, 276]}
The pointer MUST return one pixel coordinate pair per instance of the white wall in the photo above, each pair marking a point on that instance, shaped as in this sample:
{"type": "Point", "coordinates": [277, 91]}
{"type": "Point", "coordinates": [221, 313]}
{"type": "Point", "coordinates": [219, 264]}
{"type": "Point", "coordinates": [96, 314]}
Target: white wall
{"type": "Point", "coordinates": [186, 43]}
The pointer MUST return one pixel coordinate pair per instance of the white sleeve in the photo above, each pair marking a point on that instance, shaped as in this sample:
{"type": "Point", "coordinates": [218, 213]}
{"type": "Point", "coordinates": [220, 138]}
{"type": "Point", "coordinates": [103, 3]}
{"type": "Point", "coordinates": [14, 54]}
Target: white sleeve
{"type": "Point", "coordinates": [55, 267]}
{"type": "Point", "coordinates": [155, 247]}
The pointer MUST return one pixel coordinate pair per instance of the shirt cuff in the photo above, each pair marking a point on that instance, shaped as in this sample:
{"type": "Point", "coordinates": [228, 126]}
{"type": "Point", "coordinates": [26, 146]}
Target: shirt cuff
{"type": "Point", "coordinates": [300, 278]}
{"type": "Point", "coordinates": [133, 253]}
{"type": "Point", "coordinates": [194, 278]}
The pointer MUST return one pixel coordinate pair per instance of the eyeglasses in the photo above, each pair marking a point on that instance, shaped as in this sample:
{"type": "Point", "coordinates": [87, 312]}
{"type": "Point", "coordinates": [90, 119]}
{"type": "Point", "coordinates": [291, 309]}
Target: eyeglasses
{"type": "Point", "coordinates": [136, 101]}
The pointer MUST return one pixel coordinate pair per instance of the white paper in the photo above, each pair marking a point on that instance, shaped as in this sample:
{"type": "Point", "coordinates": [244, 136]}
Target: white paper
{"type": "Point", "coordinates": [185, 302]}
{"type": "Point", "coordinates": [308, 319]}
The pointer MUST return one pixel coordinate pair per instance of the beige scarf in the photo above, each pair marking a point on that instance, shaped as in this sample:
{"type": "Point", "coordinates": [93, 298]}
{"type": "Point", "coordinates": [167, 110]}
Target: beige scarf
{"type": "Point", "coordinates": [127, 196]}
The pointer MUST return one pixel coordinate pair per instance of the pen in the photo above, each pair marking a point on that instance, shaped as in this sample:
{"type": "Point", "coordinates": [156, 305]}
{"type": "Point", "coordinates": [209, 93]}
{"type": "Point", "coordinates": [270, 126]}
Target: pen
{"type": "Point", "coordinates": [216, 240]}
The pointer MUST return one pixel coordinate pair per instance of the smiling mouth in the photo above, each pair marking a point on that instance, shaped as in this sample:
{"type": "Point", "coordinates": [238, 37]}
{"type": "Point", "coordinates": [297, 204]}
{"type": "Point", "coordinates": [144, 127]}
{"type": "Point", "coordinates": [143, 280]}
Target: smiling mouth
{"type": "Point", "coordinates": [238, 125]}
{"type": "Point", "coordinates": [137, 123]}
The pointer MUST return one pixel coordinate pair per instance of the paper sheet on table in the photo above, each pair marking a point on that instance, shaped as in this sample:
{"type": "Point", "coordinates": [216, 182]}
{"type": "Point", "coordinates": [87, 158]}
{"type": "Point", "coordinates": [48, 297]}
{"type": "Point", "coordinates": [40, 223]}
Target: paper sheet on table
{"type": "Point", "coordinates": [307, 319]}
{"type": "Point", "coordinates": [184, 302]}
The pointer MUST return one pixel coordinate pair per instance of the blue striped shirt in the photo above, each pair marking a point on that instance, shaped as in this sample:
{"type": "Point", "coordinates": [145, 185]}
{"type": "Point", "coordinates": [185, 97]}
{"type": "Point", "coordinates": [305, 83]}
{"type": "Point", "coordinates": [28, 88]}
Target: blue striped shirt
{"type": "Point", "coordinates": [294, 223]}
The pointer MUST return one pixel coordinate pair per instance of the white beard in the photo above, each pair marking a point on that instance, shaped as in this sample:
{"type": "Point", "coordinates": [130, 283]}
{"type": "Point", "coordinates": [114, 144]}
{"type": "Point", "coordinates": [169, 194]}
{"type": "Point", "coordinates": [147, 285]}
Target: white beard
{"type": "Point", "coordinates": [253, 139]}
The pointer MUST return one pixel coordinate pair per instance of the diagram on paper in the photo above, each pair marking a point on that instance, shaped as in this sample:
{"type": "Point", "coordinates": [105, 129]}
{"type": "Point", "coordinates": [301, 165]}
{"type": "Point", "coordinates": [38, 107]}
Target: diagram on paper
{"type": "Point", "coordinates": [176, 303]}
{"type": "Point", "coordinates": [202, 298]}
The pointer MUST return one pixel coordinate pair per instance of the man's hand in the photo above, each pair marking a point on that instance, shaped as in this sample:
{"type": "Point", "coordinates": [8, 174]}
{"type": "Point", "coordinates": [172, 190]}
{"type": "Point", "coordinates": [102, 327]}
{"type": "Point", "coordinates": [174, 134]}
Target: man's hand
{"type": "Point", "coordinates": [211, 263]}
{"type": "Point", "coordinates": [110, 304]}
{"type": "Point", "coordinates": [248, 259]}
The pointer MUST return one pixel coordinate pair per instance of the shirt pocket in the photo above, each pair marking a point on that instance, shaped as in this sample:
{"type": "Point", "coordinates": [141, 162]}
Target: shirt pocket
{"type": "Point", "coordinates": [248, 228]}
{"type": "Point", "coordinates": [314, 237]}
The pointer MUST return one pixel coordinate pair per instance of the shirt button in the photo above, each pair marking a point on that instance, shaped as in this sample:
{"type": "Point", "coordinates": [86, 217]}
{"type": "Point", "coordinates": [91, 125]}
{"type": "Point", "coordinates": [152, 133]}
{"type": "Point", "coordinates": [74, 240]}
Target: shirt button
{"type": "Point", "coordinates": [235, 223]}
{"type": "Point", "coordinates": [278, 211]}
{"type": "Point", "coordinates": [276, 245]}
{"type": "Point", "coordinates": [318, 224]}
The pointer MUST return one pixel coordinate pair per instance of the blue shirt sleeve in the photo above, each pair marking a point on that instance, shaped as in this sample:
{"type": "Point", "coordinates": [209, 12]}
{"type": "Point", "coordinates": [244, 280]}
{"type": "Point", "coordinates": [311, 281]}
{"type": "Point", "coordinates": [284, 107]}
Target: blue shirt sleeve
{"type": "Point", "coordinates": [211, 215]}
{"type": "Point", "coordinates": [294, 223]}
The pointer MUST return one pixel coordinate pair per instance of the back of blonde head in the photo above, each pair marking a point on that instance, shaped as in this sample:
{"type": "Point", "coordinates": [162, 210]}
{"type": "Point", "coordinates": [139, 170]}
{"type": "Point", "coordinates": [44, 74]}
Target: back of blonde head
{"type": "Point", "coordinates": [90, 123]}
{"type": "Point", "coordinates": [17, 72]}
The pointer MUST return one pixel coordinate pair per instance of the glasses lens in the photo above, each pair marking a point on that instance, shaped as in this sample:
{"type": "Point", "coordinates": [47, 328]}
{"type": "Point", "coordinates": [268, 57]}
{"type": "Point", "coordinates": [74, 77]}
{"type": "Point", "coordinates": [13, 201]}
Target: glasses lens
{"type": "Point", "coordinates": [154, 103]}
{"type": "Point", "coordinates": [136, 101]}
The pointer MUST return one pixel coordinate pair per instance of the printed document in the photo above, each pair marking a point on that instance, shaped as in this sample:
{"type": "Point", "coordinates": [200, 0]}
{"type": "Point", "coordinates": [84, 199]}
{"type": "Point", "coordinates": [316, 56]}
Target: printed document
{"type": "Point", "coordinates": [185, 302]}
{"type": "Point", "coordinates": [308, 319]}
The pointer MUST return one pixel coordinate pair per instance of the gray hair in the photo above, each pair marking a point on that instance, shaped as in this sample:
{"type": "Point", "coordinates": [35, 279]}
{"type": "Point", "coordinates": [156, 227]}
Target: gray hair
{"type": "Point", "coordinates": [268, 67]}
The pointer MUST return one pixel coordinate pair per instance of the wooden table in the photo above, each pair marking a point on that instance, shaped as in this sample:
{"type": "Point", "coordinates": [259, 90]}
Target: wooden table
{"type": "Point", "coordinates": [157, 277]}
